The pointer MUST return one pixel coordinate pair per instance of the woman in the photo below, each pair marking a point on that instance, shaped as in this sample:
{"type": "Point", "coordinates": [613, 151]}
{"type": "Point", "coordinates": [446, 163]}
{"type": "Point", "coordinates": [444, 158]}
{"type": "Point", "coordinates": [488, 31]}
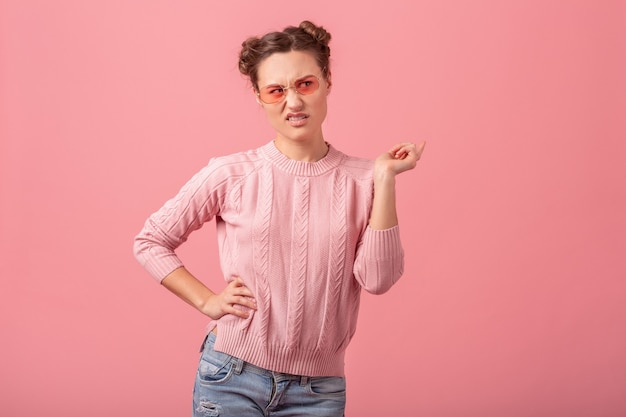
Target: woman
{"type": "Point", "coordinates": [302, 228]}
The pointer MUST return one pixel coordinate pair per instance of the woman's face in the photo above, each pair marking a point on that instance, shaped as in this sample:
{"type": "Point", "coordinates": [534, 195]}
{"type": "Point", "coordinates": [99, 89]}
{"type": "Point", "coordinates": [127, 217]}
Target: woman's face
{"type": "Point", "coordinates": [297, 117]}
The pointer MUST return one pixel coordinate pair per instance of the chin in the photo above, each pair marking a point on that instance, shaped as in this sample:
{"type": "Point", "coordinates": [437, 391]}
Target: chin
{"type": "Point", "coordinates": [298, 134]}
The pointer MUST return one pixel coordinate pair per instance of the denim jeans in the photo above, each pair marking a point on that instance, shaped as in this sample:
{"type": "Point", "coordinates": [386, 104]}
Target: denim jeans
{"type": "Point", "coordinates": [229, 387]}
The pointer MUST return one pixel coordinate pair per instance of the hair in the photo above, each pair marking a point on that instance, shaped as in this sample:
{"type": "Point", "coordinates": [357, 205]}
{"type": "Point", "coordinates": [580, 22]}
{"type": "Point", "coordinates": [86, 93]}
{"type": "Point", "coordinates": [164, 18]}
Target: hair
{"type": "Point", "coordinates": [306, 37]}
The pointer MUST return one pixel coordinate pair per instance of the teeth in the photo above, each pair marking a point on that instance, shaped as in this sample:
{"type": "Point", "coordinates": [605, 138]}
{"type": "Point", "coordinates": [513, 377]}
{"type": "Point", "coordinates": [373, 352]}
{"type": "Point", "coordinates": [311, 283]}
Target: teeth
{"type": "Point", "coordinates": [294, 118]}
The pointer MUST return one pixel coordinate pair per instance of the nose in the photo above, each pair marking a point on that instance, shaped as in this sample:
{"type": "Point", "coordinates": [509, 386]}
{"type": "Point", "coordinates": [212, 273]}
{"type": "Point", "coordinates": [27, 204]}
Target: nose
{"type": "Point", "coordinates": [293, 99]}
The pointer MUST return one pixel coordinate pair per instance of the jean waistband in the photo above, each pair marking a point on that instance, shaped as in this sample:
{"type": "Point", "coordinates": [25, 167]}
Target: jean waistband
{"type": "Point", "coordinates": [239, 365]}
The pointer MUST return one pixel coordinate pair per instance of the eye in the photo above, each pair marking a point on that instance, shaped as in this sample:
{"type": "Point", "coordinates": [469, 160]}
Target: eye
{"type": "Point", "coordinates": [275, 91]}
{"type": "Point", "coordinates": [307, 85]}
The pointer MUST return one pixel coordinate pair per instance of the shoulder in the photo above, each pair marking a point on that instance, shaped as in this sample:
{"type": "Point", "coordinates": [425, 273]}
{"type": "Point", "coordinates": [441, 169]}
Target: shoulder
{"type": "Point", "coordinates": [232, 166]}
{"type": "Point", "coordinates": [222, 172]}
{"type": "Point", "coordinates": [360, 169]}
{"type": "Point", "coordinates": [240, 161]}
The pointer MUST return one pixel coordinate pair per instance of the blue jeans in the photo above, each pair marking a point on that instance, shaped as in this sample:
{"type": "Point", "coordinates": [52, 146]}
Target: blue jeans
{"type": "Point", "coordinates": [229, 387]}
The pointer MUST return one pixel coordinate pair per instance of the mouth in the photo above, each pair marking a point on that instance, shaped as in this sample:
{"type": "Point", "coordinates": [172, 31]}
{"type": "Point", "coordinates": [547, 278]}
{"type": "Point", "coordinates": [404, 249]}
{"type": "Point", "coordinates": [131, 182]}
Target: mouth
{"type": "Point", "coordinates": [297, 119]}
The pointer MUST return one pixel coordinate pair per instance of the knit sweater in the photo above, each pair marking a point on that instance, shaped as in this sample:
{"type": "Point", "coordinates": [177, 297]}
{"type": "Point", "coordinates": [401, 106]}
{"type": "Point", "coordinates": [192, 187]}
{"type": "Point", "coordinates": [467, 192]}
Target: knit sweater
{"type": "Point", "coordinates": [297, 234]}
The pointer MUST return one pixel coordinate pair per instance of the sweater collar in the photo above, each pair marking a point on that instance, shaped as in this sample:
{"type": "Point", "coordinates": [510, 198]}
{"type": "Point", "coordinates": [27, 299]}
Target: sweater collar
{"type": "Point", "coordinates": [301, 168]}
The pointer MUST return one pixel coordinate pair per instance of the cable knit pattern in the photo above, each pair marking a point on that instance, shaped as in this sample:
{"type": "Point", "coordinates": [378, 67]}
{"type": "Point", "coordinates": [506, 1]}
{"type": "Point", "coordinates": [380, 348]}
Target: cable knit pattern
{"type": "Point", "coordinates": [298, 265]}
{"type": "Point", "coordinates": [337, 254]}
{"type": "Point", "coordinates": [261, 241]}
{"type": "Point", "coordinates": [234, 202]}
{"type": "Point", "coordinates": [297, 233]}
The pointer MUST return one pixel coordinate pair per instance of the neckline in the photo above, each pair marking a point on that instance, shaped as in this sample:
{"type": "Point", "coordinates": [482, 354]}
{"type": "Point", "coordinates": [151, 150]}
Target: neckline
{"type": "Point", "coordinates": [302, 168]}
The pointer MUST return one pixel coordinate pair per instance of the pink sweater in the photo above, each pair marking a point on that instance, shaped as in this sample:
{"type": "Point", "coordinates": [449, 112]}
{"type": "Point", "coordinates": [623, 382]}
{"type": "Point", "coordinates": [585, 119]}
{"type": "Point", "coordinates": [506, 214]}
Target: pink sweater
{"type": "Point", "coordinates": [297, 233]}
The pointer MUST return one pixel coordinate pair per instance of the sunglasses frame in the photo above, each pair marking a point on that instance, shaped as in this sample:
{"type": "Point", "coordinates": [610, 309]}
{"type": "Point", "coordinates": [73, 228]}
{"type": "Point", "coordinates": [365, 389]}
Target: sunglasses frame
{"type": "Point", "coordinates": [285, 88]}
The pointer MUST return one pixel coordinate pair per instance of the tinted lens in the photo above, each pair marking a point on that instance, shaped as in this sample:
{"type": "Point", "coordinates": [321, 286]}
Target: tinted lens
{"type": "Point", "coordinates": [271, 94]}
{"type": "Point", "coordinates": [274, 93]}
{"type": "Point", "coordinates": [307, 85]}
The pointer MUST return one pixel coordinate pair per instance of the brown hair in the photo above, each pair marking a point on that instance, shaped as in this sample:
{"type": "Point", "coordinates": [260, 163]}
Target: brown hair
{"type": "Point", "coordinates": [306, 37]}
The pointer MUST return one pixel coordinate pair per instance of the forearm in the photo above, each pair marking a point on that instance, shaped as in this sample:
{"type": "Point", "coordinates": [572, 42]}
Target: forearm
{"type": "Point", "coordinates": [188, 288]}
{"type": "Point", "coordinates": [235, 299]}
{"type": "Point", "coordinates": [384, 215]}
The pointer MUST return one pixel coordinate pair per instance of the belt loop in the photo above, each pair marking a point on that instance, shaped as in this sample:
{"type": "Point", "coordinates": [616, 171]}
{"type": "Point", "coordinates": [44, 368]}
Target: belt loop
{"type": "Point", "coordinates": [304, 380]}
{"type": "Point", "coordinates": [237, 365]}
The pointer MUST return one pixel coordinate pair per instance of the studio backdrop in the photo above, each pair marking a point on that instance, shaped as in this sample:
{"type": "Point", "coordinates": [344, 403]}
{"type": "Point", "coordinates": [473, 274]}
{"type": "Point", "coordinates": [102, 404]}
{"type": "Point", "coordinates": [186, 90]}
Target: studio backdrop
{"type": "Point", "coordinates": [513, 223]}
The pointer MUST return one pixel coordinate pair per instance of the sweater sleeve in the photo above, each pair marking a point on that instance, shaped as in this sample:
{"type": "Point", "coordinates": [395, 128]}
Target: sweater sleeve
{"type": "Point", "coordinates": [379, 261]}
{"type": "Point", "coordinates": [198, 201]}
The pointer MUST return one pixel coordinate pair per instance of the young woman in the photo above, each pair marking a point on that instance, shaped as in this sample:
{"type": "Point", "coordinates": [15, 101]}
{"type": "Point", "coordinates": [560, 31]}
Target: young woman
{"type": "Point", "coordinates": [301, 227]}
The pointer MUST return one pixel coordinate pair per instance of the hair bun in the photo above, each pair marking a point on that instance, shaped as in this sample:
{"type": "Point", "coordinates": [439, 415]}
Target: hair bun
{"type": "Point", "coordinates": [305, 37]}
{"type": "Point", "coordinates": [248, 56]}
{"type": "Point", "coordinates": [317, 32]}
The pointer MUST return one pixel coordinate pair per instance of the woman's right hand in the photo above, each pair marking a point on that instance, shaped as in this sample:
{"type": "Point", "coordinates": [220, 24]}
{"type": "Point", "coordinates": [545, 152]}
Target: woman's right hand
{"type": "Point", "coordinates": [235, 299]}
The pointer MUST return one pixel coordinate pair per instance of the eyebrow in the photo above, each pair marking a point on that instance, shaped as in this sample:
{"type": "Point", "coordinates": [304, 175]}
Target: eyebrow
{"type": "Point", "coordinates": [296, 80]}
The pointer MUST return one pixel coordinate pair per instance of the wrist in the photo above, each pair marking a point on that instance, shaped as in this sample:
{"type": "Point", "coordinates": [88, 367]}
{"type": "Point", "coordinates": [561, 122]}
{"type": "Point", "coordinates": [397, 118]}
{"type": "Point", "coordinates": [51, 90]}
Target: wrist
{"type": "Point", "coordinates": [384, 177]}
{"type": "Point", "coordinates": [204, 304]}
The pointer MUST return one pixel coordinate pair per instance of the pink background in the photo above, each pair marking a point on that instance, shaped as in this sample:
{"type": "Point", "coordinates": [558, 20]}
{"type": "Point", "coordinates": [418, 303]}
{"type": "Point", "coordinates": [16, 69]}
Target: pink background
{"type": "Point", "coordinates": [513, 301]}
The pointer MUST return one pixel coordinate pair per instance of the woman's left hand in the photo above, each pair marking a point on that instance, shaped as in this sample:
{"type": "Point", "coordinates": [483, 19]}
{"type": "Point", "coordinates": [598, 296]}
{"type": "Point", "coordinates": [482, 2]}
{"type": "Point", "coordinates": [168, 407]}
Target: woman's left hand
{"type": "Point", "coordinates": [401, 157]}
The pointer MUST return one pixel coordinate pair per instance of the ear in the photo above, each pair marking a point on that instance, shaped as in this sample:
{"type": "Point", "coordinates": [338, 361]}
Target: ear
{"type": "Point", "coordinates": [256, 96]}
{"type": "Point", "coordinates": [329, 83]}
